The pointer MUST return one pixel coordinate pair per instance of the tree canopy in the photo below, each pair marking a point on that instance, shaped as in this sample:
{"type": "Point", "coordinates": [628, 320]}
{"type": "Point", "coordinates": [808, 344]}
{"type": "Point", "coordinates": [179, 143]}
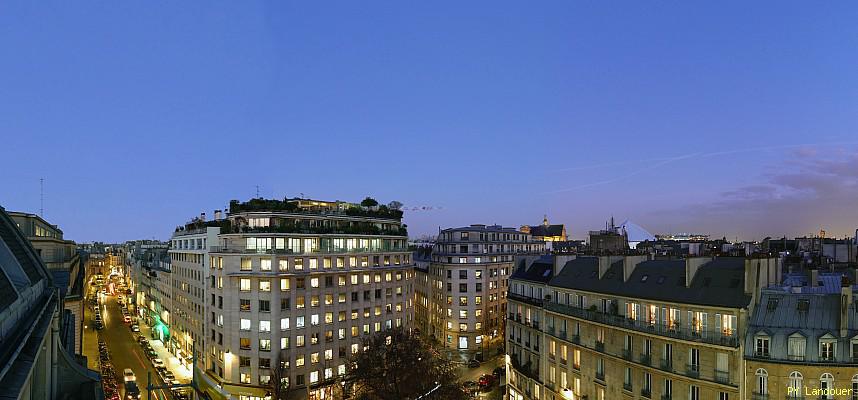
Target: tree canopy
{"type": "Point", "coordinates": [399, 365]}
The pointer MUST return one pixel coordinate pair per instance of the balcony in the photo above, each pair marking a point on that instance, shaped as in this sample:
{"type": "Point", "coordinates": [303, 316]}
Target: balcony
{"type": "Point", "coordinates": [646, 393]}
{"type": "Point", "coordinates": [711, 336]}
{"type": "Point", "coordinates": [238, 249]}
{"type": "Point", "coordinates": [600, 375]}
{"type": "Point", "coordinates": [692, 370]}
{"type": "Point", "coordinates": [646, 359]}
{"type": "Point", "coordinates": [526, 369]}
{"type": "Point", "coordinates": [627, 386]}
{"type": "Point", "coordinates": [761, 354]}
{"type": "Point", "coordinates": [665, 364]}
{"type": "Point", "coordinates": [627, 354]}
{"type": "Point", "coordinates": [600, 346]}
{"type": "Point", "coordinates": [759, 396]}
{"type": "Point", "coordinates": [524, 299]}
{"type": "Point", "coordinates": [666, 397]}
{"type": "Point", "coordinates": [722, 377]}
{"type": "Point", "coordinates": [562, 335]}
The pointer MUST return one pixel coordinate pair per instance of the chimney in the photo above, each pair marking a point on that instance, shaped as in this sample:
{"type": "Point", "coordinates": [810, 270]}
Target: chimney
{"type": "Point", "coordinates": [692, 264]}
{"type": "Point", "coordinates": [605, 262]}
{"type": "Point", "coordinates": [203, 216]}
{"type": "Point", "coordinates": [845, 302]}
{"type": "Point", "coordinates": [630, 263]}
{"type": "Point", "coordinates": [217, 215]}
{"type": "Point", "coordinates": [814, 277]}
{"type": "Point", "coordinates": [560, 262]}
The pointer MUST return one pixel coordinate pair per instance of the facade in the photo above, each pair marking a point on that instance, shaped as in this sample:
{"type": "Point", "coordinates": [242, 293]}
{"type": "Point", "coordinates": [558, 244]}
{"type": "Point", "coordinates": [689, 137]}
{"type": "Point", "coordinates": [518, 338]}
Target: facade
{"type": "Point", "coordinates": [802, 340]}
{"type": "Point", "coordinates": [34, 363]}
{"type": "Point", "coordinates": [189, 273]}
{"type": "Point", "coordinates": [66, 267]}
{"type": "Point", "coordinates": [463, 290]}
{"type": "Point", "coordinates": [626, 327]}
{"type": "Point", "coordinates": [292, 287]}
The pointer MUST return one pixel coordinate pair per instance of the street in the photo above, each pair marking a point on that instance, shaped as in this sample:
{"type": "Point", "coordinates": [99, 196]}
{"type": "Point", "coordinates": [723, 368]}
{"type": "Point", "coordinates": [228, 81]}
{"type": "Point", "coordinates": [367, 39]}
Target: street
{"type": "Point", "coordinates": [124, 351]}
{"type": "Point", "coordinates": [473, 374]}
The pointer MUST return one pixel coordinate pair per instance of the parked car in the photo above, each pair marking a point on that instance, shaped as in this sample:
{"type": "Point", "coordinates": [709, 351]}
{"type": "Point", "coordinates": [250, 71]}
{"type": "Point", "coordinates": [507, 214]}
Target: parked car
{"type": "Point", "coordinates": [151, 354]}
{"type": "Point", "coordinates": [473, 363]}
{"type": "Point", "coordinates": [135, 328]}
{"type": "Point", "coordinates": [99, 325]}
{"type": "Point", "coordinates": [486, 381]}
{"type": "Point", "coordinates": [158, 362]}
{"type": "Point", "coordinates": [469, 385]}
{"type": "Point", "coordinates": [499, 371]}
{"type": "Point", "coordinates": [127, 319]}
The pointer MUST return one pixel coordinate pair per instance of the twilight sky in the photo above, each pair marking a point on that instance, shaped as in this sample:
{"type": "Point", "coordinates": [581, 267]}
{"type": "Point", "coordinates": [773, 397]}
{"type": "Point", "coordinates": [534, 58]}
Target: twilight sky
{"type": "Point", "coordinates": [728, 118]}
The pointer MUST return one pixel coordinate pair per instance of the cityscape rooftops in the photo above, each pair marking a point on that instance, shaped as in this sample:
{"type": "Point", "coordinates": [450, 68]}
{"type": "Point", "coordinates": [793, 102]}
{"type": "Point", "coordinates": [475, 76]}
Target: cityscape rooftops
{"type": "Point", "coordinates": [484, 228]}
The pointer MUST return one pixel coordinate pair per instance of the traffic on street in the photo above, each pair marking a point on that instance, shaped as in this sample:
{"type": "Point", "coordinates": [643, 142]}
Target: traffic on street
{"type": "Point", "coordinates": [126, 359]}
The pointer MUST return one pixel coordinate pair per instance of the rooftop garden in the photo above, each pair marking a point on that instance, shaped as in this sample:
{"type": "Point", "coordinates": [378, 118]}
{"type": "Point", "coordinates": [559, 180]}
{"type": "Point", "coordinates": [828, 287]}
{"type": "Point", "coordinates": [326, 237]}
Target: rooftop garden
{"type": "Point", "coordinates": [369, 207]}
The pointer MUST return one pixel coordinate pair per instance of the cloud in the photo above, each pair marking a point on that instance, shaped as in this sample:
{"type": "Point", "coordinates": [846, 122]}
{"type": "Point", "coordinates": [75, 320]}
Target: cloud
{"type": "Point", "coordinates": [811, 191]}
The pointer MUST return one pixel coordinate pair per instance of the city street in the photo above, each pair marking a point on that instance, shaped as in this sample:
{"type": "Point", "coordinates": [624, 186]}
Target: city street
{"type": "Point", "coordinates": [473, 374]}
{"type": "Point", "coordinates": [124, 351]}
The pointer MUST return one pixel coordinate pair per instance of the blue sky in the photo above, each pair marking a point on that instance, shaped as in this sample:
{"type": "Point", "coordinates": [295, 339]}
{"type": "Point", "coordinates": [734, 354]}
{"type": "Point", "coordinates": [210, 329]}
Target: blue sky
{"type": "Point", "coordinates": [730, 118]}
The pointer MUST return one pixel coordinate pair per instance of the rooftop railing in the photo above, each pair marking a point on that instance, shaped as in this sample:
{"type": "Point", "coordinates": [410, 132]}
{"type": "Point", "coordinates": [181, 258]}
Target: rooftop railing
{"type": "Point", "coordinates": [315, 251]}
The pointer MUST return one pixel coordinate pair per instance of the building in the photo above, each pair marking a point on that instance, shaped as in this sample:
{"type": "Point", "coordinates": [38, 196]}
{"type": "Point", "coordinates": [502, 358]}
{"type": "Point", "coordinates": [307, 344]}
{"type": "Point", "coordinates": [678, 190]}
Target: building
{"type": "Point", "coordinates": [802, 340]}
{"type": "Point", "coordinates": [291, 288]}
{"type": "Point", "coordinates": [189, 275]}
{"type": "Point", "coordinates": [67, 271]}
{"type": "Point", "coordinates": [34, 363]}
{"type": "Point", "coordinates": [464, 288]}
{"type": "Point", "coordinates": [626, 327]}
{"type": "Point", "coordinates": [546, 232]}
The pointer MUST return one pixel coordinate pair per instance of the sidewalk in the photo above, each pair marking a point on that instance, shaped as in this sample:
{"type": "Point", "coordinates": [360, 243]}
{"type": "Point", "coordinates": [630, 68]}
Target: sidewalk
{"type": "Point", "coordinates": [90, 339]}
{"type": "Point", "coordinates": [182, 373]}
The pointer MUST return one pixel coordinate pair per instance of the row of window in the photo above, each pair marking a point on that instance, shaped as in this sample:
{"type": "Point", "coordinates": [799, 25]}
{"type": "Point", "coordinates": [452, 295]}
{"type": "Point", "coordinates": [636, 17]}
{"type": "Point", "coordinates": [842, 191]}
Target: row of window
{"type": "Point", "coordinates": [796, 385]}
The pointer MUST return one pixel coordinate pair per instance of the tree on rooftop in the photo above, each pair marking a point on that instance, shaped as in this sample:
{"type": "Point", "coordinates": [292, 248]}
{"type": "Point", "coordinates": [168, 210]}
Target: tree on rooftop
{"type": "Point", "coordinates": [401, 365]}
{"type": "Point", "coordinates": [369, 202]}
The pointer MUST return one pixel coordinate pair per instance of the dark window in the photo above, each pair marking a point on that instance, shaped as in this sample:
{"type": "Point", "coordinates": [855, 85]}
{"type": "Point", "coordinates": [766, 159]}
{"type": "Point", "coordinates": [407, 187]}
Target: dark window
{"type": "Point", "coordinates": [377, 293]}
{"type": "Point", "coordinates": [285, 303]}
{"type": "Point", "coordinates": [265, 305]}
{"type": "Point", "coordinates": [772, 304]}
{"type": "Point", "coordinates": [479, 287]}
{"type": "Point", "coordinates": [299, 283]}
{"type": "Point", "coordinates": [463, 287]}
{"type": "Point", "coordinates": [449, 274]}
{"type": "Point", "coordinates": [463, 274]}
{"type": "Point", "coordinates": [329, 281]}
{"type": "Point", "coordinates": [243, 361]}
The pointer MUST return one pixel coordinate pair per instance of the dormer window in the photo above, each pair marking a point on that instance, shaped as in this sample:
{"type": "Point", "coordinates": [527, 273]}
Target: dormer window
{"type": "Point", "coordinates": [761, 345]}
{"type": "Point", "coordinates": [796, 347]}
{"type": "Point", "coordinates": [772, 304]}
{"type": "Point", "coordinates": [827, 347]}
{"type": "Point", "coordinates": [853, 350]}
{"type": "Point", "coordinates": [803, 305]}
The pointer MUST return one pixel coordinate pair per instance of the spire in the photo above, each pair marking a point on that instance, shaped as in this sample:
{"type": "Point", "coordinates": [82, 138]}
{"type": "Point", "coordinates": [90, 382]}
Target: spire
{"type": "Point", "coordinates": [545, 219]}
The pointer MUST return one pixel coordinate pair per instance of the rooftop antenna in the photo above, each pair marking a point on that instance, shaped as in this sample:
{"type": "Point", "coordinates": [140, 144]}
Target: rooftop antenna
{"type": "Point", "coordinates": [257, 191]}
{"type": "Point", "coordinates": [42, 197]}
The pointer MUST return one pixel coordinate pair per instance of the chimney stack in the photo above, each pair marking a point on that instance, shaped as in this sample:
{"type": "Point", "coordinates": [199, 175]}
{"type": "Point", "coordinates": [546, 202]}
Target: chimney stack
{"type": "Point", "coordinates": [630, 263]}
{"type": "Point", "coordinates": [217, 215]}
{"type": "Point", "coordinates": [203, 216]}
{"type": "Point", "coordinates": [814, 277]}
{"type": "Point", "coordinates": [560, 262]}
{"type": "Point", "coordinates": [605, 262]}
{"type": "Point", "coordinates": [845, 302]}
{"type": "Point", "coordinates": [692, 264]}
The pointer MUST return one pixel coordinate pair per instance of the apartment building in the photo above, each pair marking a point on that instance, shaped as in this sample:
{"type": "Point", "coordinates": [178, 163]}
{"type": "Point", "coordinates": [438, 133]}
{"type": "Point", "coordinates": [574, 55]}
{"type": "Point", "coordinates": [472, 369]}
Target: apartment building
{"type": "Point", "coordinates": [293, 287]}
{"type": "Point", "coordinates": [189, 272]}
{"type": "Point", "coordinates": [627, 327]}
{"type": "Point", "coordinates": [802, 340]}
{"type": "Point", "coordinates": [66, 267]}
{"type": "Point", "coordinates": [464, 288]}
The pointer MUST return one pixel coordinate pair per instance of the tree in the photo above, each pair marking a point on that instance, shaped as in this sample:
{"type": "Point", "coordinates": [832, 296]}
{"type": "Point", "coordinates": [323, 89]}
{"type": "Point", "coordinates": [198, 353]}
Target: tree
{"type": "Point", "coordinates": [394, 205]}
{"type": "Point", "coordinates": [279, 384]}
{"type": "Point", "coordinates": [400, 365]}
{"type": "Point", "coordinates": [369, 202]}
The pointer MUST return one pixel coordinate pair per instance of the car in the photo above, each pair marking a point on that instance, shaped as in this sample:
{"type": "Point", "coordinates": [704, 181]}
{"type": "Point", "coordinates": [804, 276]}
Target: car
{"type": "Point", "coordinates": [127, 319]}
{"type": "Point", "coordinates": [99, 325]}
{"type": "Point", "coordinates": [469, 384]}
{"type": "Point", "coordinates": [168, 375]}
{"type": "Point", "coordinates": [486, 381]}
{"type": "Point", "coordinates": [128, 375]}
{"type": "Point", "coordinates": [135, 328]}
{"type": "Point", "coordinates": [473, 363]}
{"type": "Point", "coordinates": [158, 362]}
{"type": "Point", "coordinates": [181, 394]}
{"type": "Point", "coordinates": [151, 354]}
{"type": "Point", "coordinates": [499, 371]}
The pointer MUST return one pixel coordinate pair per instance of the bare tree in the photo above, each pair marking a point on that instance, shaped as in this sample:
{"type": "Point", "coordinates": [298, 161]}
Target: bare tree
{"type": "Point", "coordinates": [400, 365]}
{"type": "Point", "coordinates": [279, 384]}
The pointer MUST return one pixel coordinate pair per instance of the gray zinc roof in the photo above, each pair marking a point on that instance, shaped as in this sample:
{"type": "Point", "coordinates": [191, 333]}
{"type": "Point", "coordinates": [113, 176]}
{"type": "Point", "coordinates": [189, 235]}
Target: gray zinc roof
{"type": "Point", "coordinates": [717, 283]}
